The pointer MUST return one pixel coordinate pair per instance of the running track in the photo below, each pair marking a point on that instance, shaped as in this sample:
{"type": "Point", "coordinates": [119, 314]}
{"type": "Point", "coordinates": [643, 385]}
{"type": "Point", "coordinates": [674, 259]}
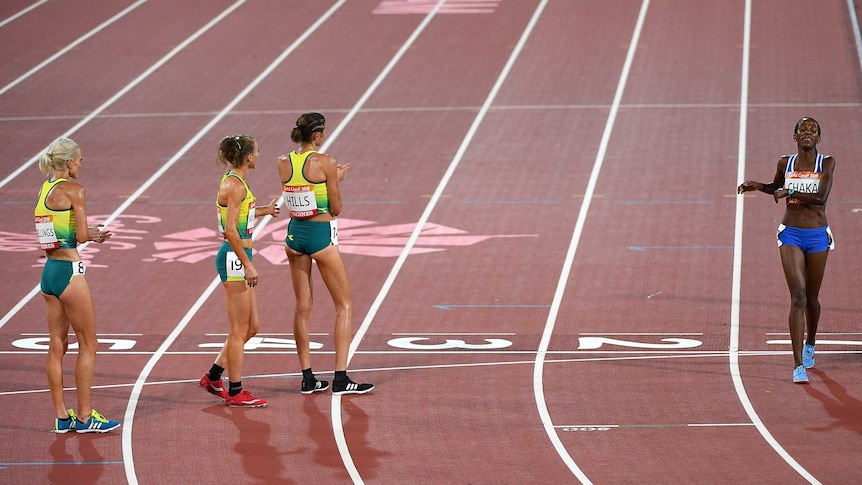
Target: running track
{"type": "Point", "coordinates": [553, 279]}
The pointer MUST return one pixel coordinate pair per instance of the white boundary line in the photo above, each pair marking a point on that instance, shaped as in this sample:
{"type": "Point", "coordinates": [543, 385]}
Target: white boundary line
{"type": "Point", "coordinates": [24, 11]}
{"type": "Point", "coordinates": [176, 50]}
{"type": "Point", "coordinates": [128, 425]}
{"type": "Point", "coordinates": [71, 46]}
{"type": "Point", "coordinates": [737, 264]}
{"type": "Point", "coordinates": [337, 424]}
{"type": "Point", "coordinates": [854, 23]}
{"type": "Point", "coordinates": [538, 369]}
{"type": "Point", "coordinates": [11, 313]}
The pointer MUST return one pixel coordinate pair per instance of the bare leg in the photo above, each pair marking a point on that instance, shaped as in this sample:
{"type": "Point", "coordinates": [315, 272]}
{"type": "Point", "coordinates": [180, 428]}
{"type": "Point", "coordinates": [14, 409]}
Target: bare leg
{"type": "Point", "coordinates": [815, 267]}
{"type": "Point", "coordinates": [793, 262]}
{"type": "Point", "coordinates": [300, 275]}
{"type": "Point", "coordinates": [78, 303]}
{"type": "Point", "coordinates": [238, 302]}
{"type": "Point", "coordinates": [58, 344]}
{"type": "Point", "coordinates": [335, 276]}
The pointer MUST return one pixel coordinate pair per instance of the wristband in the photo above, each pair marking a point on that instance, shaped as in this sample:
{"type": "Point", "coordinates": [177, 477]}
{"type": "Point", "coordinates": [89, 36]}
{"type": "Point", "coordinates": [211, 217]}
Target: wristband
{"type": "Point", "coordinates": [790, 192]}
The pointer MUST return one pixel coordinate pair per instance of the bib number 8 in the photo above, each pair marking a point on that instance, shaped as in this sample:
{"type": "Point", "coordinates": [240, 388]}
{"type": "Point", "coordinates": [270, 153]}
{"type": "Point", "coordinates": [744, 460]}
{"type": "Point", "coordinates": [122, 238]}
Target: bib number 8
{"type": "Point", "coordinates": [333, 232]}
{"type": "Point", "coordinates": [78, 268]}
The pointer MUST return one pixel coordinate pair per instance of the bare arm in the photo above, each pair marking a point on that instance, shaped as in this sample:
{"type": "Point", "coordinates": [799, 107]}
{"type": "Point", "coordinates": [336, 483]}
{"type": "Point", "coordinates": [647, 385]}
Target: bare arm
{"type": "Point", "coordinates": [76, 195]}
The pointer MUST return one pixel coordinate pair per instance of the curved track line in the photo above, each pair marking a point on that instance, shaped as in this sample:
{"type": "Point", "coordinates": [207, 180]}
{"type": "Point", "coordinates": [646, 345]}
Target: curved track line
{"type": "Point", "coordinates": [71, 46]}
{"type": "Point", "coordinates": [337, 425]}
{"type": "Point", "coordinates": [27, 9]}
{"type": "Point", "coordinates": [737, 265]}
{"type": "Point", "coordinates": [538, 387]}
{"type": "Point", "coordinates": [128, 457]}
{"type": "Point", "coordinates": [182, 45]}
{"type": "Point", "coordinates": [11, 313]}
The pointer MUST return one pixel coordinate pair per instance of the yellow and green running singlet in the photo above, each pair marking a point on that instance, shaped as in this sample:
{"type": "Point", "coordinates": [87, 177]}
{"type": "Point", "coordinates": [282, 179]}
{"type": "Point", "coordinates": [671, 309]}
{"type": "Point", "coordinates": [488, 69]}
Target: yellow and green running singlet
{"type": "Point", "coordinates": [245, 223]}
{"type": "Point", "coordinates": [303, 198]}
{"type": "Point", "coordinates": [56, 228]}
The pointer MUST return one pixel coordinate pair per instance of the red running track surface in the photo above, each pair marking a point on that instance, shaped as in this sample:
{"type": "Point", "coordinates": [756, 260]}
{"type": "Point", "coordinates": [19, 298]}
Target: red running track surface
{"type": "Point", "coordinates": [540, 230]}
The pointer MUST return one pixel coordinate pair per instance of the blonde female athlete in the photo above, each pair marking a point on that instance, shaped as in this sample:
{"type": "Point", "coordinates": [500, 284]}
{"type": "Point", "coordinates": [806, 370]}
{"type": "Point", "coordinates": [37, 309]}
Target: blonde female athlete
{"type": "Point", "coordinates": [61, 223]}
{"type": "Point", "coordinates": [804, 180]}
{"type": "Point", "coordinates": [236, 214]}
{"type": "Point", "coordinates": [310, 183]}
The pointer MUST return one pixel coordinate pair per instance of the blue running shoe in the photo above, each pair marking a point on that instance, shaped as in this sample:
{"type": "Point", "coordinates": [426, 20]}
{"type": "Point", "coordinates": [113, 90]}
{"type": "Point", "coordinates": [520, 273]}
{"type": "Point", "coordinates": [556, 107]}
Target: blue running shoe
{"type": "Point", "coordinates": [799, 375]}
{"type": "Point", "coordinates": [808, 356]}
{"type": "Point", "coordinates": [96, 424]}
{"type": "Point", "coordinates": [65, 425]}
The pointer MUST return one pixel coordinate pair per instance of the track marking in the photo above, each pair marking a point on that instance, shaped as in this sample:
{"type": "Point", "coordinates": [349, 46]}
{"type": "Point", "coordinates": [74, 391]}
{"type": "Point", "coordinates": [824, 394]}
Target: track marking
{"type": "Point", "coordinates": [36, 289]}
{"type": "Point", "coordinates": [426, 109]}
{"type": "Point", "coordinates": [22, 12]}
{"type": "Point", "coordinates": [538, 385]}
{"type": "Point", "coordinates": [93, 114]}
{"type": "Point", "coordinates": [735, 375]}
{"type": "Point", "coordinates": [71, 46]}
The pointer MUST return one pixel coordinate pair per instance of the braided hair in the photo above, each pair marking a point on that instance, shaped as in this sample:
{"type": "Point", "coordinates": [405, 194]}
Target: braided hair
{"type": "Point", "coordinates": [305, 127]}
{"type": "Point", "coordinates": [233, 149]}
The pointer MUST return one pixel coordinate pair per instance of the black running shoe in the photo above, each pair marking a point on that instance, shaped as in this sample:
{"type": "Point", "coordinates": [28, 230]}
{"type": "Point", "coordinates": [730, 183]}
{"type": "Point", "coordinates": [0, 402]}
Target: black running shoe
{"type": "Point", "coordinates": [309, 387]}
{"type": "Point", "coordinates": [350, 387]}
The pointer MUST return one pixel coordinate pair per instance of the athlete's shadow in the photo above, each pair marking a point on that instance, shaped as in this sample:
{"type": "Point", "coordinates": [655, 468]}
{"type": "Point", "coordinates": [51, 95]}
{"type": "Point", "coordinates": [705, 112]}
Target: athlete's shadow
{"type": "Point", "coordinates": [365, 457]}
{"type": "Point", "coordinates": [89, 469]}
{"type": "Point", "coordinates": [260, 460]}
{"type": "Point", "coordinates": [844, 408]}
{"type": "Point", "coordinates": [320, 432]}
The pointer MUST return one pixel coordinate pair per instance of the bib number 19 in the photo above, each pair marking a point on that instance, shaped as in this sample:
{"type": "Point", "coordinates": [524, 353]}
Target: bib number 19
{"type": "Point", "coordinates": [234, 265]}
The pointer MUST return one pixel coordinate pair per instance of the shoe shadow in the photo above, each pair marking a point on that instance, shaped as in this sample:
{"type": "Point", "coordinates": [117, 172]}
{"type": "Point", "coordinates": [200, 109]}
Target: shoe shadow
{"type": "Point", "coordinates": [845, 409]}
{"type": "Point", "coordinates": [89, 469]}
{"type": "Point", "coordinates": [261, 461]}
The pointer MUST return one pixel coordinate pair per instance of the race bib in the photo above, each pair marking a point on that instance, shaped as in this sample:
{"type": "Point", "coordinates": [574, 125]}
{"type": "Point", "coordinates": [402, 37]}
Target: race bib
{"type": "Point", "coordinates": [249, 228]}
{"type": "Point", "coordinates": [234, 265]}
{"type": "Point", "coordinates": [300, 201]}
{"type": "Point", "coordinates": [45, 231]}
{"type": "Point", "coordinates": [220, 225]}
{"type": "Point", "coordinates": [333, 231]}
{"type": "Point", "coordinates": [803, 182]}
{"type": "Point", "coordinates": [78, 268]}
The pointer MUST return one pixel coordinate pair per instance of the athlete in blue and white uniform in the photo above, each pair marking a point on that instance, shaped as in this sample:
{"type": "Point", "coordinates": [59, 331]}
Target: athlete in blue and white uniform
{"type": "Point", "coordinates": [804, 180]}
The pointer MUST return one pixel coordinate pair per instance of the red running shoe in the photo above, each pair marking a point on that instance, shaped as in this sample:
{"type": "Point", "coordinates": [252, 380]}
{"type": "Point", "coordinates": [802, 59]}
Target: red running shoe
{"type": "Point", "coordinates": [244, 400]}
{"type": "Point", "coordinates": [213, 387]}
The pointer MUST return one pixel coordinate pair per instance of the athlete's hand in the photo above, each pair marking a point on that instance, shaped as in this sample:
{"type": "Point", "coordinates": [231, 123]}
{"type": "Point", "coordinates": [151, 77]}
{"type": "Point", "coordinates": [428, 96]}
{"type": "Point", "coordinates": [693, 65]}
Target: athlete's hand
{"type": "Point", "coordinates": [95, 234]}
{"type": "Point", "coordinates": [342, 171]}
{"type": "Point", "coordinates": [273, 208]}
{"type": "Point", "coordinates": [251, 276]}
{"type": "Point", "coordinates": [748, 186]}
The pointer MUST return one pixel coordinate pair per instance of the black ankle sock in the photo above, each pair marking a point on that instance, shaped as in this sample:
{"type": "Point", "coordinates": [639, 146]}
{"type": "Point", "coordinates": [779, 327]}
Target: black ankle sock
{"type": "Point", "coordinates": [235, 388]}
{"type": "Point", "coordinates": [216, 372]}
{"type": "Point", "coordinates": [307, 375]}
{"type": "Point", "coordinates": [341, 376]}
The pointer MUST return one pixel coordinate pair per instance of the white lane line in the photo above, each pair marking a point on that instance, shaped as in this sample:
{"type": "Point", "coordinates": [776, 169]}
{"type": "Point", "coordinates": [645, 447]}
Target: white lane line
{"type": "Point", "coordinates": [22, 12]}
{"type": "Point", "coordinates": [737, 264]}
{"type": "Point", "coordinates": [538, 370]}
{"type": "Point", "coordinates": [11, 313]}
{"type": "Point", "coordinates": [71, 46]}
{"type": "Point", "coordinates": [96, 112]}
{"type": "Point", "coordinates": [128, 456]}
{"type": "Point", "coordinates": [854, 22]}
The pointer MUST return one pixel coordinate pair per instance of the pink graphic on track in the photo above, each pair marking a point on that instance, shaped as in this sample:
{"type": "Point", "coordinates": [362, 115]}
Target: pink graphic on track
{"type": "Point", "coordinates": [355, 236]}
